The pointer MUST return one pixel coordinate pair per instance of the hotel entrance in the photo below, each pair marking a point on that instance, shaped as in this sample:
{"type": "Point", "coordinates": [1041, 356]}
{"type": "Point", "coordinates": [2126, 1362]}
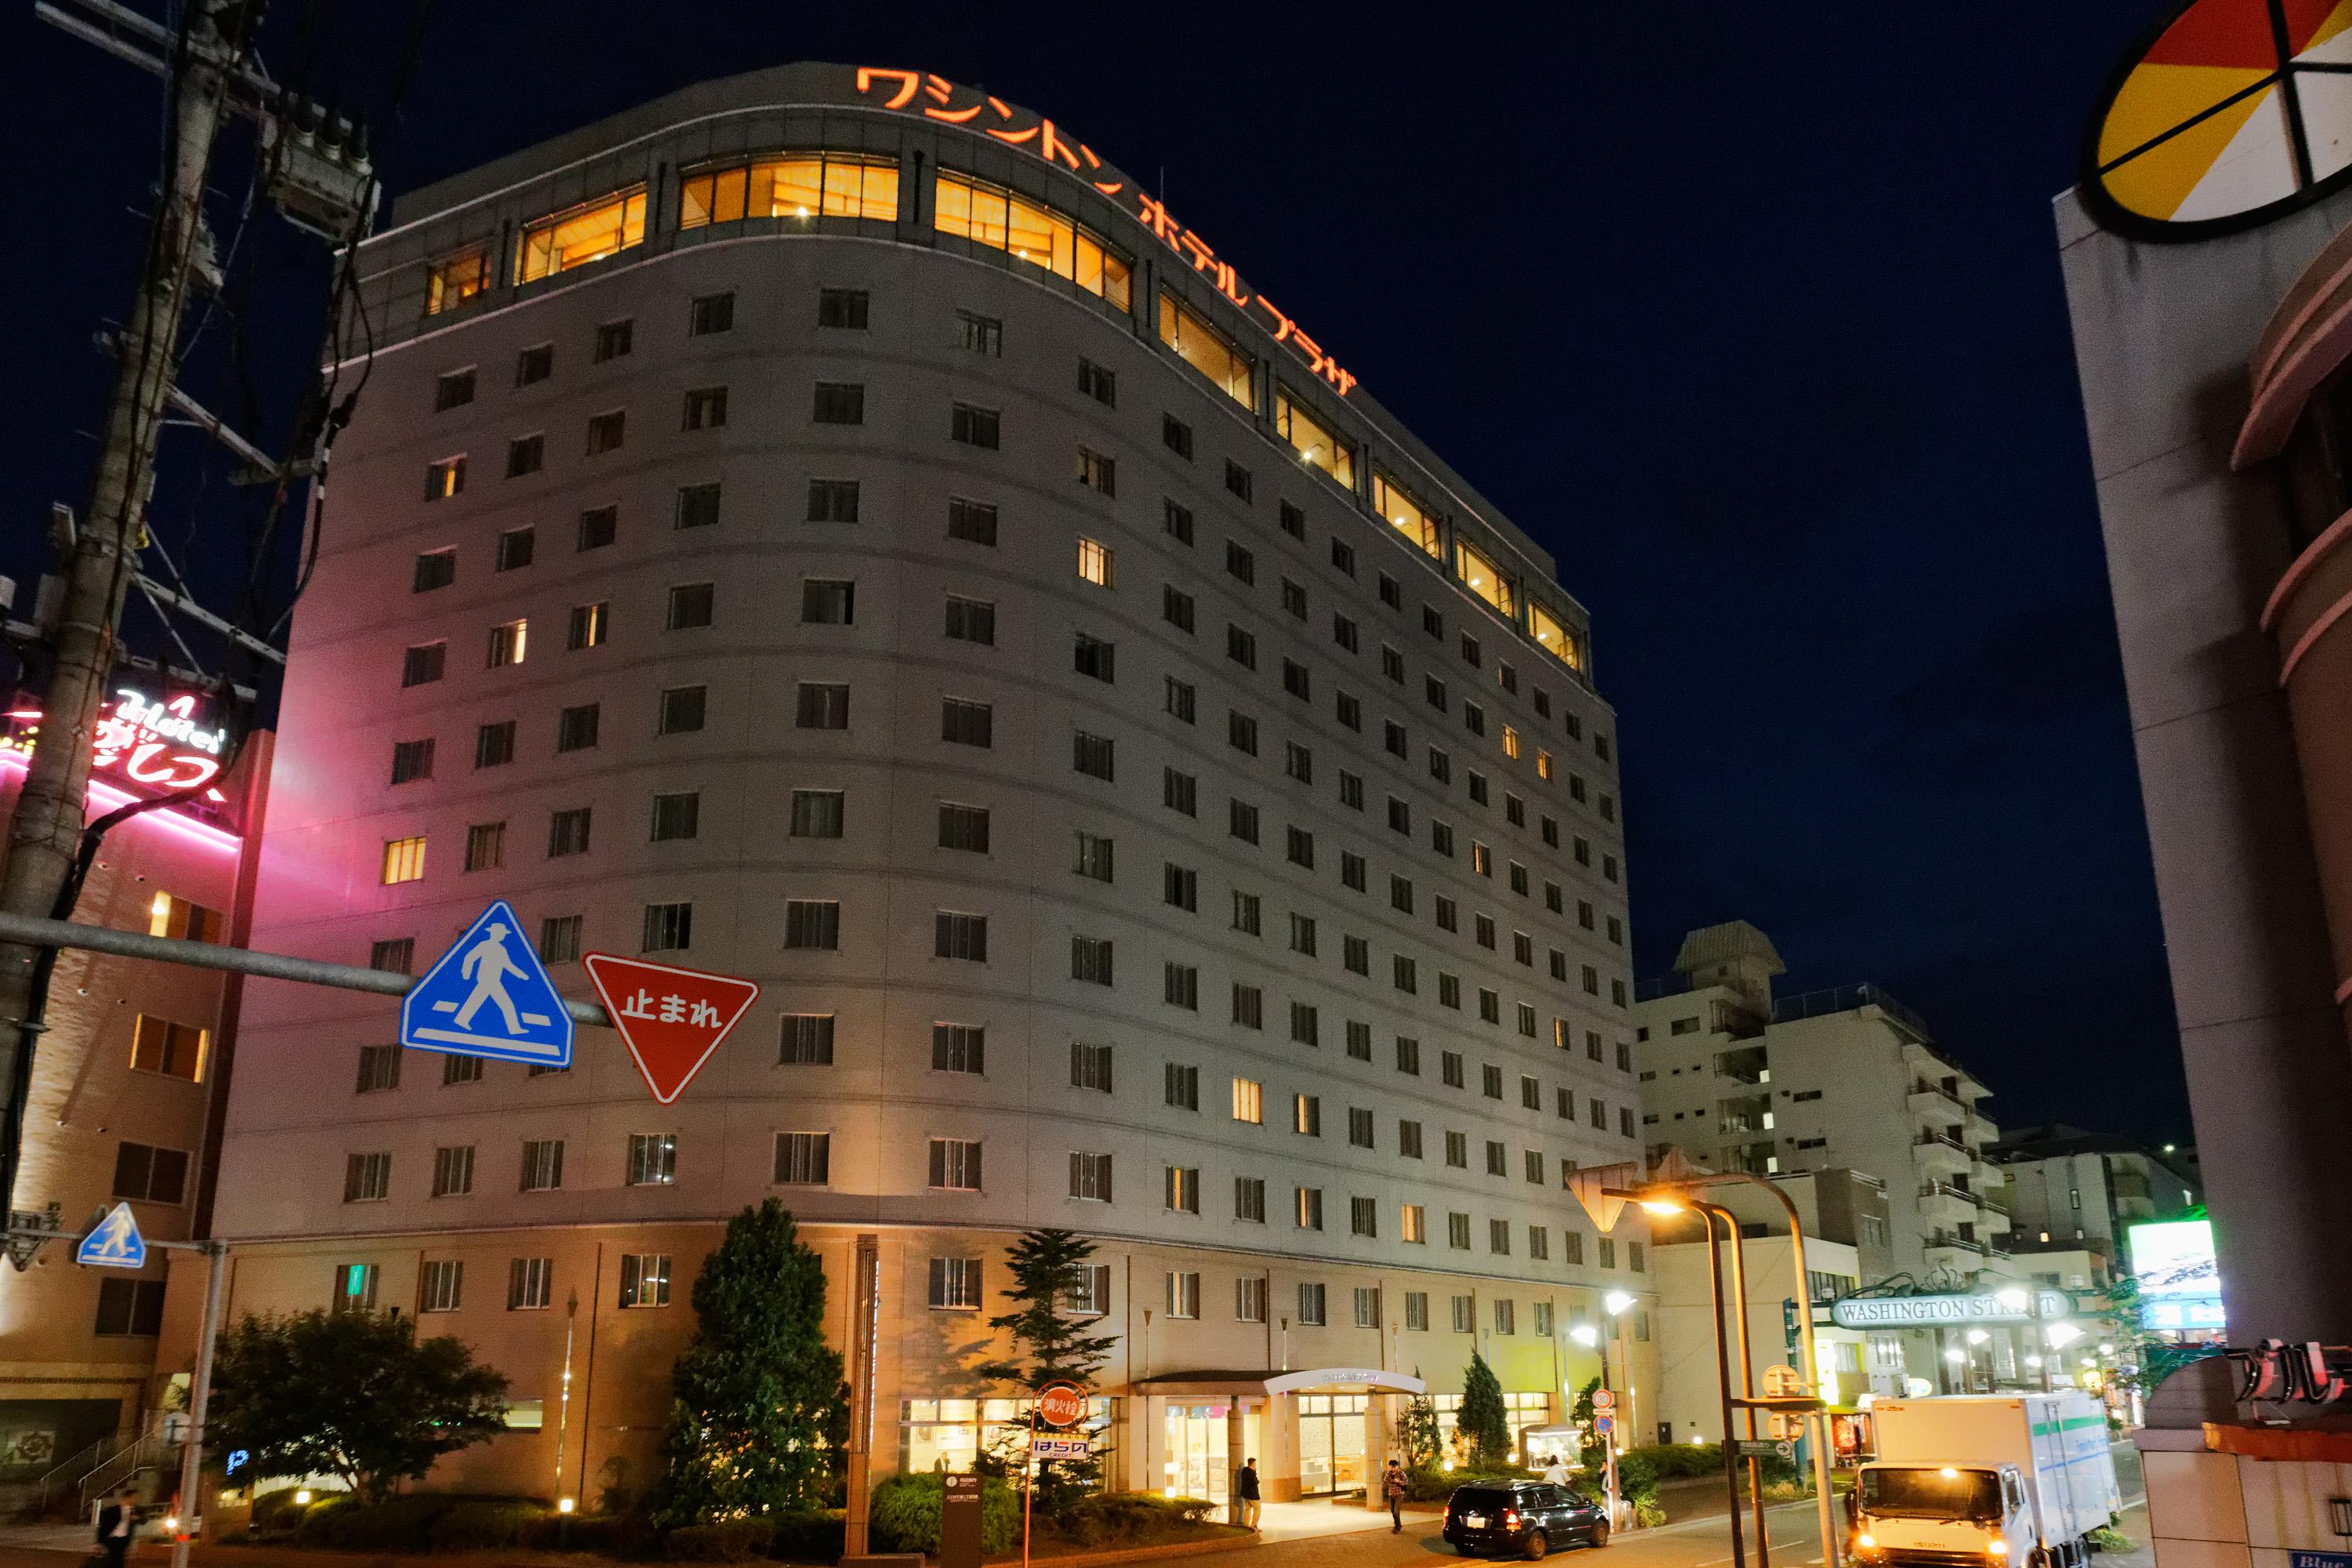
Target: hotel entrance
{"type": "Point", "coordinates": [1331, 1443]}
{"type": "Point", "coordinates": [1197, 1459]}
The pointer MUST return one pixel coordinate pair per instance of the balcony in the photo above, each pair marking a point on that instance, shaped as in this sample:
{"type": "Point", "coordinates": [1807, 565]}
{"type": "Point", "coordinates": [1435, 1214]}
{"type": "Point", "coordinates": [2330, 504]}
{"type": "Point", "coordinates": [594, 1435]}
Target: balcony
{"type": "Point", "coordinates": [1942, 1153]}
{"type": "Point", "coordinates": [1926, 1100]}
{"type": "Point", "coordinates": [1756, 1159]}
{"type": "Point", "coordinates": [1943, 1204]}
{"type": "Point", "coordinates": [1752, 1113]}
{"type": "Point", "coordinates": [1749, 1064]}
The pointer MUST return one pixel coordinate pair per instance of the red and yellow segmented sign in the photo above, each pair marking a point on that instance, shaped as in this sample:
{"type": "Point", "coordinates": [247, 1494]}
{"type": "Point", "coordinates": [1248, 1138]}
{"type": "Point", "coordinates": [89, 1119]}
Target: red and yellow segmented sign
{"type": "Point", "coordinates": [2236, 110]}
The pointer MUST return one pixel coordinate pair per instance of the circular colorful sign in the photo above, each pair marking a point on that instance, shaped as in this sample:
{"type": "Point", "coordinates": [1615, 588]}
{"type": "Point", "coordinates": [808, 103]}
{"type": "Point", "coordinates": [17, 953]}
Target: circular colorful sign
{"type": "Point", "coordinates": [1061, 1404]}
{"type": "Point", "coordinates": [2231, 113]}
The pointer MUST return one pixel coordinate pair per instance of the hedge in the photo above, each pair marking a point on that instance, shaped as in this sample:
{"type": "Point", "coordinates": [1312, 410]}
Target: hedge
{"type": "Point", "coordinates": [905, 1513]}
{"type": "Point", "coordinates": [1132, 1519]}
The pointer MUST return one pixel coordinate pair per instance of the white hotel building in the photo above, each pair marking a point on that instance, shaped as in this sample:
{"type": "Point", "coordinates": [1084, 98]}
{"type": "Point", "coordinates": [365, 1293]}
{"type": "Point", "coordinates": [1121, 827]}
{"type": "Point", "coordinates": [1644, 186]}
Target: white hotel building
{"type": "Point", "coordinates": [823, 526]}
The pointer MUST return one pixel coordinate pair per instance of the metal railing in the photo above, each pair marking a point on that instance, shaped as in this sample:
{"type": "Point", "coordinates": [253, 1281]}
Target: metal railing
{"type": "Point", "coordinates": [1847, 999]}
{"type": "Point", "coordinates": [1945, 1139]}
{"type": "Point", "coordinates": [117, 1469]}
{"type": "Point", "coordinates": [52, 1484]}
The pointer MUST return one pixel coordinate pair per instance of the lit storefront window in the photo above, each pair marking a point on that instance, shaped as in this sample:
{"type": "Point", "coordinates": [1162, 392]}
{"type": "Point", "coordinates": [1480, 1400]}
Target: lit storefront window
{"type": "Point", "coordinates": [1553, 637]}
{"type": "Point", "coordinates": [1481, 577]}
{"type": "Point", "coordinates": [1206, 350]}
{"type": "Point", "coordinates": [1406, 516]}
{"type": "Point", "coordinates": [948, 1435]}
{"type": "Point", "coordinates": [997, 218]}
{"type": "Point", "coordinates": [582, 234]}
{"type": "Point", "coordinates": [1316, 445]}
{"type": "Point", "coordinates": [799, 184]}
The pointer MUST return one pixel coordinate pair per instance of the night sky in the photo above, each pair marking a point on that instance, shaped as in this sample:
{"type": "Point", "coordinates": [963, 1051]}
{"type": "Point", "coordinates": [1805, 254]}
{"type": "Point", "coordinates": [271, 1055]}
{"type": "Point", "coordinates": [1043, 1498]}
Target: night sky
{"type": "Point", "coordinates": [1750, 313]}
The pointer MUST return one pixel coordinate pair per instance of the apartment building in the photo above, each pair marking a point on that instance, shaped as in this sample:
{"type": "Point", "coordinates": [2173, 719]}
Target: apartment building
{"type": "Point", "coordinates": [2068, 1189]}
{"type": "Point", "coordinates": [882, 553]}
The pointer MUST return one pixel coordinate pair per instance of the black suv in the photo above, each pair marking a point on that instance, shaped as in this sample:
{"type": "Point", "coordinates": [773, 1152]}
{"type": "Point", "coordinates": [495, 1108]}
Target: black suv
{"type": "Point", "coordinates": [1529, 1518]}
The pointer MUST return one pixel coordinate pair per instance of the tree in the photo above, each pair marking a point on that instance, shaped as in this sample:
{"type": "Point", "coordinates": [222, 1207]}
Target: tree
{"type": "Point", "coordinates": [355, 1394]}
{"type": "Point", "coordinates": [1481, 1421]}
{"type": "Point", "coordinates": [1048, 1268]}
{"type": "Point", "coordinates": [1416, 1433]}
{"type": "Point", "coordinates": [1592, 1455]}
{"type": "Point", "coordinates": [760, 1415]}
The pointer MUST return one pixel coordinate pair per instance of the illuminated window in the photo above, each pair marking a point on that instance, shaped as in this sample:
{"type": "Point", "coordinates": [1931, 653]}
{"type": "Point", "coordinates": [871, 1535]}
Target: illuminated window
{"type": "Point", "coordinates": [1406, 514]}
{"type": "Point", "coordinates": [450, 283]}
{"type": "Point", "coordinates": [796, 185]}
{"type": "Point", "coordinates": [1249, 1101]}
{"type": "Point", "coordinates": [175, 1050]}
{"type": "Point", "coordinates": [404, 860]}
{"type": "Point", "coordinates": [582, 234]}
{"type": "Point", "coordinates": [1094, 562]}
{"type": "Point", "coordinates": [1316, 445]}
{"type": "Point", "coordinates": [173, 916]}
{"type": "Point", "coordinates": [1481, 577]}
{"type": "Point", "coordinates": [1204, 348]}
{"type": "Point", "coordinates": [988, 216]}
{"type": "Point", "coordinates": [1555, 639]}
{"type": "Point", "coordinates": [1510, 742]}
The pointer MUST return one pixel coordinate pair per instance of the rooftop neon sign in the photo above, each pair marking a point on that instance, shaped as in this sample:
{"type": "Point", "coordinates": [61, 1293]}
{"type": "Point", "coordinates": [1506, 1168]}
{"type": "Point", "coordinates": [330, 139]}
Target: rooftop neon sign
{"type": "Point", "coordinates": [935, 98]}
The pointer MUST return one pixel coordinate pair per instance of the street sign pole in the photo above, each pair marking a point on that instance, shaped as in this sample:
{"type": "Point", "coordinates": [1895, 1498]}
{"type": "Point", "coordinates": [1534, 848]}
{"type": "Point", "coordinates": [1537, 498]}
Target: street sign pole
{"type": "Point", "coordinates": [200, 1394]}
{"type": "Point", "coordinates": [1028, 1465]}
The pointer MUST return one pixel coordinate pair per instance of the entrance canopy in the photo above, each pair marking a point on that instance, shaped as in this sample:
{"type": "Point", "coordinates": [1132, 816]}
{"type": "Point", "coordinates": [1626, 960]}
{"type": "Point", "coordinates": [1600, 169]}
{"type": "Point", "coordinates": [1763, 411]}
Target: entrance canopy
{"type": "Point", "coordinates": [1234, 1384]}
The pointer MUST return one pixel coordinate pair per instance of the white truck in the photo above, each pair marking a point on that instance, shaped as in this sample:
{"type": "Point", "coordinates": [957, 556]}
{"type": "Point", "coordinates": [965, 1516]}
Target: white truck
{"type": "Point", "coordinates": [2002, 1481]}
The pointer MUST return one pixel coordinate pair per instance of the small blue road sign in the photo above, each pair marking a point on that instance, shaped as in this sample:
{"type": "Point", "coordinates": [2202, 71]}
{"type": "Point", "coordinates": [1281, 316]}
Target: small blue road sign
{"type": "Point", "coordinates": [1604, 1425]}
{"type": "Point", "coordinates": [113, 1242]}
{"type": "Point", "coordinates": [488, 996]}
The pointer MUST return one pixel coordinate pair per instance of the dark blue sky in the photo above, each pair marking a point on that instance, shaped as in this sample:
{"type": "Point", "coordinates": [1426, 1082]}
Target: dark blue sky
{"type": "Point", "coordinates": [1752, 313]}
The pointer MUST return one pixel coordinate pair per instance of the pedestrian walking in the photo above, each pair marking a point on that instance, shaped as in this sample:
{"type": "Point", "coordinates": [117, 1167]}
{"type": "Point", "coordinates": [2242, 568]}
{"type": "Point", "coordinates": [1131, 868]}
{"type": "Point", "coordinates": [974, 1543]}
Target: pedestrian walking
{"type": "Point", "coordinates": [1246, 1492]}
{"type": "Point", "coordinates": [115, 1522]}
{"type": "Point", "coordinates": [1392, 1490]}
{"type": "Point", "coordinates": [1556, 1471]}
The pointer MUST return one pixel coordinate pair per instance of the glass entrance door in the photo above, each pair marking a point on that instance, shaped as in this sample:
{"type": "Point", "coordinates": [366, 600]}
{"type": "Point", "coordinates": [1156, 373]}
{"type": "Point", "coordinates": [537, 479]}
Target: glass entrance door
{"type": "Point", "coordinates": [1331, 1443]}
{"type": "Point", "coordinates": [1197, 1464]}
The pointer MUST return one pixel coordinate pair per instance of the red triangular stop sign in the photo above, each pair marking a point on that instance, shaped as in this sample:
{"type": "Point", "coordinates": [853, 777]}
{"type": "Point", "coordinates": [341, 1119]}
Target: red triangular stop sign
{"type": "Point", "coordinates": [670, 1018]}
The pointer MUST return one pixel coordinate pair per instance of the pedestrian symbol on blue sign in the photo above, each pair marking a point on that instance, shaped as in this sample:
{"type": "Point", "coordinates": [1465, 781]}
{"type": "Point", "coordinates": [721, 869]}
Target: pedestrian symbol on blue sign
{"type": "Point", "coordinates": [113, 1242]}
{"type": "Point", "coordinates": [488, 996]}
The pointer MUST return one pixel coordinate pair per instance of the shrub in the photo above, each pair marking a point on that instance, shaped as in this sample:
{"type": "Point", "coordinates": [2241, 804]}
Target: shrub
{"type": "Point", "coordinates": [735, 1541]}
{"type": "Point", "coordinates": [1647, 1513]}
{"type": "Point", "coordinates": [479, 1525]}
{"type": "Point", "coordinates": [277, 1510]}
{"type": "Point", "coordinates": [2108, 1538]}
{"type": "Point", "coordinates": [421, 1522]}
{"type": "Point", "coordinates": [905, 1513]}
{"type": "Point", "coordinates": [811, 1537]}
{"type": "Point", "coordinates": [1130, 1518]}
{"type": "Point", "coordinates": [1675, 1461]}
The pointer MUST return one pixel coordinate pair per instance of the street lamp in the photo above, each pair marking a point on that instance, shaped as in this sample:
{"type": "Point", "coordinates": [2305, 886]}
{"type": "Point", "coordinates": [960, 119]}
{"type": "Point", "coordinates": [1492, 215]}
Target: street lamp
{"type": "Point", "coordinates": [1585, 1334]}
{"type": "Point", "coordinates": [1978, 1336]}
{"type": "Point", "coordinates": [2061, 1335]}
{"type": "Point", "coordinates": [1956, 1355]}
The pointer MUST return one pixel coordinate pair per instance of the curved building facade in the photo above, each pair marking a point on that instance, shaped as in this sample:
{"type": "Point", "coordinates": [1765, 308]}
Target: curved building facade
{"type": "Point", "coordinates": [828, 527]}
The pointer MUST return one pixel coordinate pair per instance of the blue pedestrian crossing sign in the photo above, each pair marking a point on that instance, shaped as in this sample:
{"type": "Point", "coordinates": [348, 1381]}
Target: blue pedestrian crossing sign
{"type": "Point", "coordinates": [489, 995]}
{"type": "Point", "coordinates": [114, 1242]}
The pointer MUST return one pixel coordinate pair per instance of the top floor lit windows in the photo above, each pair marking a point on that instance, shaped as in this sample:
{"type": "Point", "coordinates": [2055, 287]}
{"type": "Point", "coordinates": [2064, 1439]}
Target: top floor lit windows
{"type": "Point", "coordinates": [1481, 577]}
{"type": "Point", "coordinates": [1555, 639]}
{"type": "Point", "coordinates": [578, 235]}
{"type": "Point", "coordinates": [1406, 515]}
{"type": "Point", "coordinates": [1206, 350]}
{"type": "Point", "coordinates": [790, 185]}
{"type": "Point", "coordinates": [987, 215]}
{"type": "Point", "coordinates": [453, 281]}
{"type": "Point", "coordinates": [1316, 447]}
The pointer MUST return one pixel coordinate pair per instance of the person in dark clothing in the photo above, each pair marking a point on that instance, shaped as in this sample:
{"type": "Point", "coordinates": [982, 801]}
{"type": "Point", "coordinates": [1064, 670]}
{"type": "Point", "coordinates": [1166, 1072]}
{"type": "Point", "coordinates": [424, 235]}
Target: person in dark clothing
{"type": "Point", "coordinates": [1246, 1492]}
{"type": "Point", "coordinates": [115, 1522]}
{"type": "Point", "coordinates": [1392, 1490]}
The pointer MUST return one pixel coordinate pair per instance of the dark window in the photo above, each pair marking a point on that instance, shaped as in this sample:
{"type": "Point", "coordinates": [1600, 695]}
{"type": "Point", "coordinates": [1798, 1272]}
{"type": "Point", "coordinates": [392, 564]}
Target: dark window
{"type": "Point", "coordinates": [690, 606]}
{"type": "Point", "coordinates": [133, 1308]}
{"type": "Point", "coordinates": [1178, 523]}
{"type": "Point", "coordinates": [966, 723]}
{"type": "Point", "coordinates": [840, 402]}
{"type": "Point", "coordinates": [1238, 479]}
{"type": "Point", "coordinates": [705, 408]}
{"type": "Point", "coordinates": [1176, 436]}
{"type": "Point", "coordinates": [575, 727]}
{"type": "Point", "coordinates": [453, 390]}
{"type": "Point", "coordinates": [980, 334]}
{"type": "Point", "coordinates": [494, 744]}
{"type": "Point", "coordinates": [436, 569]}
{"type": "Point", "coordinates": [608, 431]}
{"type": "Point", "coordinates": [970, 620]}
{"type": "Point", "coordinates": [975, 426]}
{"type": "Point", "coordinates": [614, 340]}
{"type": "Point", "coordinates": [971, 521]}
{"type": "Point", "coordinates": [535, 364]}
{"type": "Point", "coordinates": [681, 710]}
{"type": "Point", "coordinates": [833, 501]}
{"type": "Point", "coordinates": [711, 313]}
{"type": "Point", "coordinates": [598, 527]}
{"type": "Point", "coordinates": [822, 705]}
{"type": "Point", "coordinates": [697, 505]}
{"type": "Point", "coordinates": [1099, 383]}
{"type": "Point", "coordinates": [842, 308]}
{"type": "Point", "coordinates": [526, 455]}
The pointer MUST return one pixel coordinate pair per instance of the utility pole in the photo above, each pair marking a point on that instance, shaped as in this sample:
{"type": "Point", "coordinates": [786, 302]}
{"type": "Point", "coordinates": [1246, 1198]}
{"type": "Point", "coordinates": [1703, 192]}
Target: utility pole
{"type": "Point", "coordinates": [45, 830]}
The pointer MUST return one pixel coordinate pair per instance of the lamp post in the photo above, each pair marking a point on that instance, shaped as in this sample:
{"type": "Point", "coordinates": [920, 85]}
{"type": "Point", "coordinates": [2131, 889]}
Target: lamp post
{"type": "Point", "coordinates": [1672, 1197]}
{"type": "Point", "coordinates": [1589, 1336]}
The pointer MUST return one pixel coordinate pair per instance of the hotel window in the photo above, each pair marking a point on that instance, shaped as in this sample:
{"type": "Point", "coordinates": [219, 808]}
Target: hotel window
{"type": "Point", "coordinates": [962, 827]}
{"type": "Point", "coordinates": [805, 1039]}
{"type": "Point", "coordinates": [1206, 350]}
{"type": "Point", "coordinates": [988, 216]}
{"type": "Point", "coordinates": [1095, 561]}
{"type": "Point", "coordinates": [614, 340]}
{"type": "Point", "coordinates": [1408, 1055]}
{"type": "Point", "coordinates": [973, 521]}
{"type": "Point", "coordinates": [708, 314]}
{"type": "Point", "coordinates": [1180, 986]}
{"type": "Point", "coordinates": [404, 860]}
{"type": "Point", "coordinates": [1183, 1295]}
{"type": "Point", "coordinates": [667, 928]}
{"type": "Point", "coordinates": [955, 1164]}
{"type": "Point", "coordinates": [559, 941]}
{"type": "Point", "coordinates": [485, 846]}
{"type": "Point", "coordinates": [1481, 577]}
{"type": "Point", "coordinates": [976, 426]}
{"type": "Point", "coordinates": [1553, 637]}
{"type": "Point", "coordinates": [1316, 447]}
{"type": "Point", "coordinates": [1413, 1225]}
{"type": "Point", "coordinates": [567, 832]}
{"type": "Point", "coordinates": [1176, 522]}
{"type": "Point", "coordinates": [791, 185]}
{"type": "Point", "coordinates": [367, 1178]}
{"type": "Point", "coordinates": [542, 1164]}
{"type": "Point", "coordinates": [828, 602]}
{"type": "Point", "coordinates": [453, 281]}
{"type": "Point", "coordinates": [1181, 1087]}
{"type": "Point", "coordinates": [1498, 1236]}
{"type": "Point", "coordinates": [1457, 1236]}
{"type": "Point", "coordinates": [608, 431]}
{"type": "Point", "coordinates": [590, 623]}
{"type": "Point", "coordinates": [645, 1280]}
{"type": "Point", "coordinates": [1096, 381]}
{"type": "Point", "coordinates": [1249, 1199]}
{"type": "Point", "coordinates": [379, 1068]}
{"type": "Point", "coordinates": [581, 234]}
{"type": "Point", "coordinates": [1091, 1177]}
{"type": "Point", "coordinates": [1406, 515]}
{"type": "Point", "coordinates": [576, 728]}
{"type": "Point", "coordinates": [1090, 960]}
{"type": "Point", "coordinates": [954, 1284]}
{"type": "Point", "coordinates": [959, 935]}
{"type": "Point", "coordinates": [1249, 1101]}
{"type": "Point", "coordinates": [979, 335]}
{"type": "Point", "coordinates": [812, 924]}
{"type": "Point", "coordinates": [410, 761]}
{"type": "Point", "coordinates": [842, 309]}
{"type": "Point", "coordinates": [681, 710]}
{"type": "Point", "coordinates": [1506, 1317]}
{"type": "Point", "coordinates": [822, 705]}
{"type": "Point", "coordinates": [1306, 1114]}
{"type": "Point", "coordinates": [1311, 1304]}
{"type": "Point", "coordinates": [966, 723]}
{"type": "Point", "coordinates": [1238, 479]}
{"type": "Point", "coordinates": [839, 403]}
{"type": "Point", "coordinates": [1090, 1067]}
{"type": "Point", "coordinates": [599, 526]}
{"type": "Point", "coordinates": [150, 1174]}
{"type": "Point", "coordinates": [1092, 756]}
{"type": "Point", "coordinates": [1097, 472]}
{"type": "Point", "coordinates": [453, 1169]}
{"type": "Point", "coordinates": [508, 644]}
{"type": "Point", "coordinates": [1249, 1299]}
{"type": "Point", "coordinates": [130, 1307]}
{"type": "Point", "coordinates": [460, 1066]}
{"type": "Point", "coordinates": [1309, 1208]}
{"type": "Point", "coordinates": [530, 1284]}
{"type": "Point", "coordinates": [442, 478]}
{"type": "Point", "coordinates": [1183, 1189]}
{"type": "Point", "coordinates": [833, 501]}
{"type": "Point", "coordinates": [960, 1048]}
{"type": "Point", "coordinates": [526, 455]}
{"type": "Point", "coordinates": [1363, 1219]}
{"type": "Point", "coordinates": [802, 1160]}
{"type": "Point", "coordinates": [1095, 659]}
{"type": "Point", "coordinates": [423, 663]}
{"type": "Point", "coordinates": [705, 408]}
{"type": "Point", "coordinates": [1176, 436]}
